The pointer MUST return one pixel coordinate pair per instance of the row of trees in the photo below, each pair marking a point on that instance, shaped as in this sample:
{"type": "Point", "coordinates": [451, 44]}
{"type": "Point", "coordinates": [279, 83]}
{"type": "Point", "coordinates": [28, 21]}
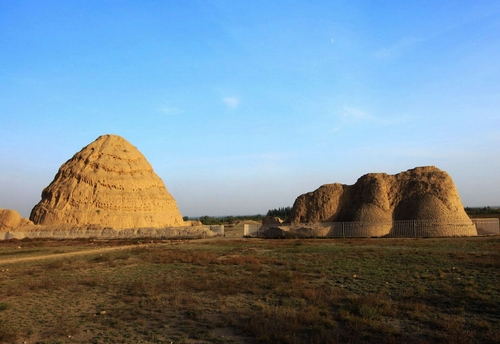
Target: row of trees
{"type": "Point", "coordinates": [283, 213]}
{"type": "Point", "coordinates": [221, 220]}
{"type": "Point", "coordinates": [483, 210]}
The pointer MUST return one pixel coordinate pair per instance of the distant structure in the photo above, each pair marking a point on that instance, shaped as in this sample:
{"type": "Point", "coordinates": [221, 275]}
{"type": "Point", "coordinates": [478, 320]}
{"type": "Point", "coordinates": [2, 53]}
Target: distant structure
{"type": "Point", "coordinates": [271, 220]}
{"type": "Point", "coordinates": [422, 193]}
{"type": "Point", "coordinates": [10, 219]}
{"type": "Point", "coordinates": [108, 183]}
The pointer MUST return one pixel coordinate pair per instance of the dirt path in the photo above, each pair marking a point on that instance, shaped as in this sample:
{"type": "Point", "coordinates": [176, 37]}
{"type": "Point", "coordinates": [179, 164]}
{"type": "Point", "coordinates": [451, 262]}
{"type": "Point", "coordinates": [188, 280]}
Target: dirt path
{"type": "Point", "coordinates": [64, 255]}
{"type": "Point", "coordinates": [101, 250]}
{"type": "Point", "coordinates": [231, 234]}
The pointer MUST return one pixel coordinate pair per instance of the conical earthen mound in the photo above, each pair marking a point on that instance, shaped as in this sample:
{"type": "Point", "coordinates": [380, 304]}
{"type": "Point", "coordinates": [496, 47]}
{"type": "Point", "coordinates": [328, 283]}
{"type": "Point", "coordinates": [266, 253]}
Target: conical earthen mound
{"type": "Point", "coordinates": [110, 183]}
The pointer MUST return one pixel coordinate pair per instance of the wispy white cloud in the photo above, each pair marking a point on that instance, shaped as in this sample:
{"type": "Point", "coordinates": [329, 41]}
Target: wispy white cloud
{"type": "Point", "coordinates": [351, 114]}
{"type": "Point", "coordinates": [354, 116]}
{"type": "Point", "coordinates": [404, 151]}
{"type": "Point", "coordinates": [397, 49]}
{"type": "Point", "coordinates": [231, 102]}
{"type": "Point", "coordinates": [169, 110]}
{"type": "Point", "coordinates": [401, 46]}
{"type": "Point", "coordinates": [246, 159]}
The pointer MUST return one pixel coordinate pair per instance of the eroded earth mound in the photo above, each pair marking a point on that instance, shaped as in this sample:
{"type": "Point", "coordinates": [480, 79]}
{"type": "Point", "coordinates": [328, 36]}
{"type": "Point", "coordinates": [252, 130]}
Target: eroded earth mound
{"type": "Point", "coordinates": [10, 219]}
{"type": "Point", "coordinates": [422, 193]}
{"type": "Point", "coordinates": [111, 184]}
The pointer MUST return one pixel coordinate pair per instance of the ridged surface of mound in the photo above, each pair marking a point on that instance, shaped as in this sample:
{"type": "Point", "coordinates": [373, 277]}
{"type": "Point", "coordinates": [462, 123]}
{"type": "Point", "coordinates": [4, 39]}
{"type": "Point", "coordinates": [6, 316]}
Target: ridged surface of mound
{"type": "Point", "coordinates": [108, 183]}
{"type": "Point", "coordinates": [422, 193]}
{"type": "Point", "coordinates": [10, 219]}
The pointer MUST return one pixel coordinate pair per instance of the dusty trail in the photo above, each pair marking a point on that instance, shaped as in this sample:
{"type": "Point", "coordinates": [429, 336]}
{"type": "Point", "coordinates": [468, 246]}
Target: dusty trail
{"type": "Point", "coordinates": [101, 250]}
{"type": "Point", "coordinates": [231, 234]}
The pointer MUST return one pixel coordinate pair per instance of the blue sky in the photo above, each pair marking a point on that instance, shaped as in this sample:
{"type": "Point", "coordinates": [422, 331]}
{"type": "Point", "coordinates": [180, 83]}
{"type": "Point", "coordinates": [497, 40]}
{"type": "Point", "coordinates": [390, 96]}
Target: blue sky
{"type": "Point", "coordinates": [241, 106]}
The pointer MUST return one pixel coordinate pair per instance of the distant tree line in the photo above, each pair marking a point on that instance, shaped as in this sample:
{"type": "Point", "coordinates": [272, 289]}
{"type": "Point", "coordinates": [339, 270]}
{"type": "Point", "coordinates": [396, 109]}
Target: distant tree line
{"type": "Point", "coordinates": [483, 210]}
{"type": "Point", "coordinates": [225, 220]}
{"type": "Point", "coordinates": [283, 213]}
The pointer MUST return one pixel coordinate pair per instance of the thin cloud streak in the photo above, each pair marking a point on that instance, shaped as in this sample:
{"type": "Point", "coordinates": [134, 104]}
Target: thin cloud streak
{"type": "Point", "coordinates": [231, 102]}
{"type": "Point", "coordinates": [396, 50]}
{"type": "Point", "coordinates": [244, 160]}
{"type": "Point", "coordinates": [169, 110]}
{"type": "Point", "coordinates": [354, 116]}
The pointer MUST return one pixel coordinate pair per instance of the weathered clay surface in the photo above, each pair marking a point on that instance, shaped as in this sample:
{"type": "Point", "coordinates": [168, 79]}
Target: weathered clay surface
{"type": "Point", "coordinates": [10, 219]}
{"type": "Point", "coordinates": [69, 231]}
{"type": "Point", "coordinates": [422, 193]}
{"type": "Point", "coordinates": [111, 184]}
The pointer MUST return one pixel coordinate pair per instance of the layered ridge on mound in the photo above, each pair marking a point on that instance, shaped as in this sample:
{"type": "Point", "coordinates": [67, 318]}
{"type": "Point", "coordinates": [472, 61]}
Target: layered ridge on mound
{"type": "Point", "coordinates": [422, 194]}
{"type": "Point", "coordinates": [108, 183]}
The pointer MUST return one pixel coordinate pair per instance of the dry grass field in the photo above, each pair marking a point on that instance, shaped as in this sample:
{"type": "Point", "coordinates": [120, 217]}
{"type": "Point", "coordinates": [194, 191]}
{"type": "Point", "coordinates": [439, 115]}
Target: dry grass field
{"type": "Point", "coordinates": [232, 290]}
